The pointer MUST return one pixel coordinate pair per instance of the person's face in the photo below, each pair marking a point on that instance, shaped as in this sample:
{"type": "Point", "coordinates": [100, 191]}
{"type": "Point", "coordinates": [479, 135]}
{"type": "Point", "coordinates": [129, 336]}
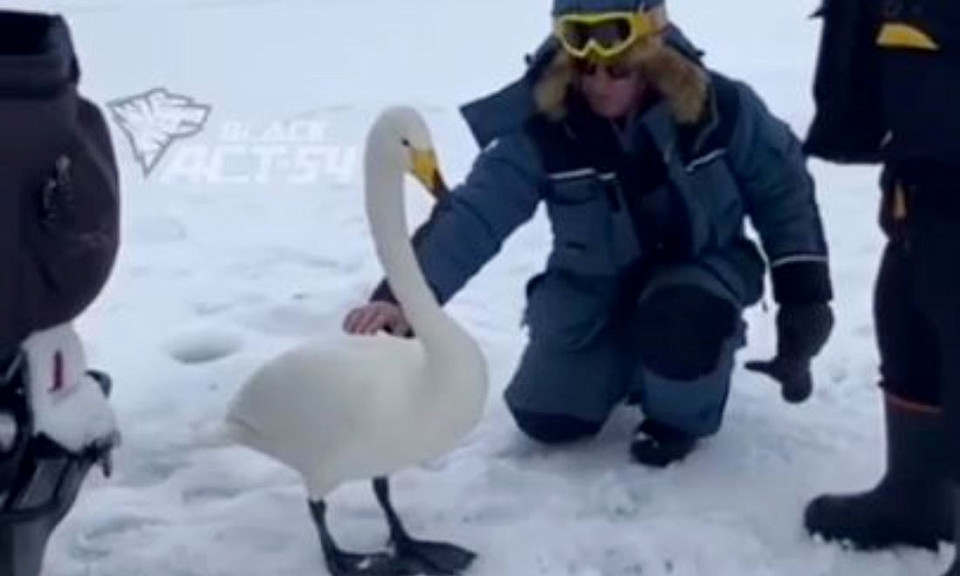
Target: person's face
{"type": "Point", "coordinates": [612, 91]}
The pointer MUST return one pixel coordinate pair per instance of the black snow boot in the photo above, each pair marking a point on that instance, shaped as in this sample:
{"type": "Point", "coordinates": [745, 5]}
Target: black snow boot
{"type": "Point", "coordinates": [657, 445]}
{"type": "Point", "coordinates": [912, 505]}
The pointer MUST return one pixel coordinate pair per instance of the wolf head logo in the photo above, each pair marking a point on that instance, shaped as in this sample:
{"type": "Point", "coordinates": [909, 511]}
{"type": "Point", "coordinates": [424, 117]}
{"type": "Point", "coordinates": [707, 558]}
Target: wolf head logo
{"type": "Point", "coordinates": [154, 120]}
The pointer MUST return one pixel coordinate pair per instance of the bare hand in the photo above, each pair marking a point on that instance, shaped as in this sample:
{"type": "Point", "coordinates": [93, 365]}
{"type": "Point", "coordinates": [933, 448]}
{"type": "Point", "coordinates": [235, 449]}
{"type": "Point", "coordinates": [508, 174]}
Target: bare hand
{"type": "Point", "coordinates": [371, 318]}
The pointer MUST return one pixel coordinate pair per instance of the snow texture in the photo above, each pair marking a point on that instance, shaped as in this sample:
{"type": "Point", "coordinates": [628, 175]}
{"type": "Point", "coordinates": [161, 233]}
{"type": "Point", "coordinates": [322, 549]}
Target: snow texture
{"type": "Point", "coordinates": [228, 259]}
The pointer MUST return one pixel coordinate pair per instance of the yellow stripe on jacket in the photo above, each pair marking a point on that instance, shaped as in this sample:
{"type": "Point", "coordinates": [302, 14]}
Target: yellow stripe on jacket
{"type": "Point", "coordinates": [900, 35]}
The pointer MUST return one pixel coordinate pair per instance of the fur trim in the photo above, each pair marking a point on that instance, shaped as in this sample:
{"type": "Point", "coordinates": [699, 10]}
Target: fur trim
{"type": "Point", "coordinates": [550, 91]}
{"type": "Point", "coordinates": [681, 82]}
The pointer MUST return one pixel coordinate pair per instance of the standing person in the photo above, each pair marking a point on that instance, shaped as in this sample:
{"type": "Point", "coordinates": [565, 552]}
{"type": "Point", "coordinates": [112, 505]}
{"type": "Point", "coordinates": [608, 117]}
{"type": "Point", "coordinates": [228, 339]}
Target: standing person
{"type": "Point", "coordinates": [887, 86]}
{"type": "Point", "coordinates": [59, 235]}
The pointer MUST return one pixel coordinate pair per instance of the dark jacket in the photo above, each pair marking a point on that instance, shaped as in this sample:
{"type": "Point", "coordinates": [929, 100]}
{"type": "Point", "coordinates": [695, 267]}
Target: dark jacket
{"type": "Point", "coordinates": [919, 41]}
{"type": "Point", "coordinates": [886, 83]}
{"type": "Point", "coordinates": [59, 204]}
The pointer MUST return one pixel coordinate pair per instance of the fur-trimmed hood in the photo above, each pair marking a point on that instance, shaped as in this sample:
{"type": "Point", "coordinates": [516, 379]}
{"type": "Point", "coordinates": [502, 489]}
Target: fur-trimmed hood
{"type": "Point", "coordinates": [677, 77]}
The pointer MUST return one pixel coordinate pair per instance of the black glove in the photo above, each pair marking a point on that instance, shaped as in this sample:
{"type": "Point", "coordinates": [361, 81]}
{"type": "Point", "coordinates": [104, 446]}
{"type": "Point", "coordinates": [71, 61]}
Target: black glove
{"type": "Point", "coordinates": [802, 331]}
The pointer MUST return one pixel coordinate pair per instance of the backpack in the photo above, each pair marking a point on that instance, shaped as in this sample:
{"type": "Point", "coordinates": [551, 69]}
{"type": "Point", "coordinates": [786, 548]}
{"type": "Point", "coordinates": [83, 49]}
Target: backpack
{"type": "Point", "coordinates": [59, 206]}
{"type": "Point", "coordinates": [848, 125]}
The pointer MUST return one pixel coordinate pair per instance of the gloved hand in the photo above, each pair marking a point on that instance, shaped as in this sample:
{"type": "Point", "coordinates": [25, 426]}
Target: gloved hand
{"type": "Point", "coordinates": [802, 331]}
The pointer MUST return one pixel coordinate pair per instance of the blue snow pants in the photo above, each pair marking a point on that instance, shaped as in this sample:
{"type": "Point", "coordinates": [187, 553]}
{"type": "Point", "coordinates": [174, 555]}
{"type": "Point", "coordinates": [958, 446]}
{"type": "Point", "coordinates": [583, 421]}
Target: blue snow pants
{"type": "Point", "coordinates": [671, 350]}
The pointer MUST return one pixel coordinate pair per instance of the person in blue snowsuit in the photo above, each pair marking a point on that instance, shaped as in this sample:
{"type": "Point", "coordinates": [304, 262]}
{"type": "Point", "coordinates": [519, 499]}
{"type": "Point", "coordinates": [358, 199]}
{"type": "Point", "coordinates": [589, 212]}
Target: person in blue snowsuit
{"type": "Point", "coordinates": [648, 164]}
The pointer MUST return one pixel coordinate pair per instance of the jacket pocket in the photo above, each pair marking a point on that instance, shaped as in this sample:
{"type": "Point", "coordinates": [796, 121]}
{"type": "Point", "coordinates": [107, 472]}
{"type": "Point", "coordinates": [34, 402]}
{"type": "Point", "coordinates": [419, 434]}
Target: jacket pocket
{"type": "Point", "coordinates": [580, 219]}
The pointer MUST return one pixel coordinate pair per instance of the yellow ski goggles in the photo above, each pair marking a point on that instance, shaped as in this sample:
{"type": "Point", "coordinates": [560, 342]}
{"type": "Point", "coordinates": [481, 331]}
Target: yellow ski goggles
{"type": "Point", "coordinates": [608, 34]}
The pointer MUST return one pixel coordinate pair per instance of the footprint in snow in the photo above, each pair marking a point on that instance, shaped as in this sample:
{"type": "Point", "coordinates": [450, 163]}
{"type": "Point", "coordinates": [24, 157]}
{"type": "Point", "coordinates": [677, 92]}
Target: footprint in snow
{"type": "Point", "coordinates": [203, 346]}
{"type": "Point", "coordinates": [156, 231]}
{"type": "Point", "coordinates": [100, 541]}
{"type": "Point", "coordinates": [150, 469]}
{"type": "Point", "coordinates": [209, 494]}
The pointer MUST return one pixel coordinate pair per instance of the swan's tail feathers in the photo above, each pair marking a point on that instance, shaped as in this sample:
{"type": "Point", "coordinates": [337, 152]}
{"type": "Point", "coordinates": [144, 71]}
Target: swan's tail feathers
{"type": "Point", "coordinates": [237, 431]}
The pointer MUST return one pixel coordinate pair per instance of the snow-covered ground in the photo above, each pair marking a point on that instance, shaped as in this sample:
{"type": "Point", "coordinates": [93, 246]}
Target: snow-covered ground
{"type": "Point", "coordinates": [240, 243]}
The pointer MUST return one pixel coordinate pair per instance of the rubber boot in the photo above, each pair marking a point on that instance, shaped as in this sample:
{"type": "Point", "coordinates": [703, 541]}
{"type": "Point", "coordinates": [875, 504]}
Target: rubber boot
{"type": "Point", "coordinates": [912, 505]}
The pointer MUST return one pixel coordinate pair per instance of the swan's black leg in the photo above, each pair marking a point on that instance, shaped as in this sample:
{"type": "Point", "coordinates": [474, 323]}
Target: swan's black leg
{"type": "Point", "coordinates": [341, 563]}
{"type": "Point", "coordinates": [436, 558]}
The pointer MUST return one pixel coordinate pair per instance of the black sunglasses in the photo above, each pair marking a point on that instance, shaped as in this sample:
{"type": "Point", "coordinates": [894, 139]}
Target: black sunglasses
{"type": "Point", "coordinates": [615, 70]}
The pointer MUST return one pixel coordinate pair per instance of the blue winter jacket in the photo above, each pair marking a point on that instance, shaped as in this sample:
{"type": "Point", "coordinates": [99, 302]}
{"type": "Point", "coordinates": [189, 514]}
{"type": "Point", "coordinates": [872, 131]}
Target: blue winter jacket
{"type": "Point", "coordinates": [754, 169]}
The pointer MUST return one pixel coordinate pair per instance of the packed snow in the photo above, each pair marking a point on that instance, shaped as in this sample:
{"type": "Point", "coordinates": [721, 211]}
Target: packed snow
{"type": "Point", "coordinates": [246, 235]}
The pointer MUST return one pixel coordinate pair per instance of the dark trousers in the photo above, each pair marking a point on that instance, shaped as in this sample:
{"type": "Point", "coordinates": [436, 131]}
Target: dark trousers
{"type": "Point", "coordinates": [917, 301]}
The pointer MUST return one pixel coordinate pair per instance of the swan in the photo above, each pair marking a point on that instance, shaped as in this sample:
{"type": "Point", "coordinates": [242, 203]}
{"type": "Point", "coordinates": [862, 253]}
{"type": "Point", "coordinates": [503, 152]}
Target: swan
{"type": "Point", "coordinates": [363, 407]}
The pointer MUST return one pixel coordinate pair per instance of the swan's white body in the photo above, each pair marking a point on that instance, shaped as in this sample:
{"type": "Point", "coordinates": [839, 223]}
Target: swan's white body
{"type": "Point", "coordinates": [363, 407]}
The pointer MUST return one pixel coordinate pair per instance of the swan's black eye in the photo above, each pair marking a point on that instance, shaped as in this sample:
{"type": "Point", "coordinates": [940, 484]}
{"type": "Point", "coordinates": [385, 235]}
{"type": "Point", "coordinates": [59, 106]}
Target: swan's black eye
{"type": "Point", "coordinates": [405, 142]}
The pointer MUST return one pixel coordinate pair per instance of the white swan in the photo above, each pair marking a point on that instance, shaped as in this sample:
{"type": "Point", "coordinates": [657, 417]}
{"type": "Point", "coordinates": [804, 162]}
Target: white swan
{"type": "Point", "coordinates": [364, 407]}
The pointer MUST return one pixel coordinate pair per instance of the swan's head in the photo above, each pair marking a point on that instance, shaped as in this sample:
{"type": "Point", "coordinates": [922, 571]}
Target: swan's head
{"type": "Point", "coordinates": [401, 134]}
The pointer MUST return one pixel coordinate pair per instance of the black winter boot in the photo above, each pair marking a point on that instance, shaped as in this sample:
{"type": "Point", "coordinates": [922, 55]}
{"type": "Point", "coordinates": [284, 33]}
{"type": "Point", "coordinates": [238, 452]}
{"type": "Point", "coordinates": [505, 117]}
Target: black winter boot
{"type": "Point", "coordinates": [912, 505]}
{"type": "Point", "coordinates": [657, 445]}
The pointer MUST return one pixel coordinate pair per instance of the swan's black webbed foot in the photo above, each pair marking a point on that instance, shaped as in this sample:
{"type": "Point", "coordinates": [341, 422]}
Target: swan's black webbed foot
{"type": "Point", "coordinates": [341, 563]}
{"type": "Point", "coordinates": [431, 558]}
{"type": "Point", "coordinates": [434, 558]}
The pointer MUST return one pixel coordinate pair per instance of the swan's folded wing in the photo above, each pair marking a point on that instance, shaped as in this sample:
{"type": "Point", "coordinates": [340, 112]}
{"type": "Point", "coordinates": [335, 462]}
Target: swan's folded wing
{"type": "Point", "coordinates": [319, 388]}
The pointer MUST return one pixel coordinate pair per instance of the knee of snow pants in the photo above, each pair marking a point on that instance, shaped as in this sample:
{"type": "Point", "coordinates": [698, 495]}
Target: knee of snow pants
{"type": "Point", "coordinates": [687, 329]}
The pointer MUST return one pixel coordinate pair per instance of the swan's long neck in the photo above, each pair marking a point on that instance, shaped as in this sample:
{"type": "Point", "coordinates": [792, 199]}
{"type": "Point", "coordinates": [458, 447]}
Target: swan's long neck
{"type": "Point", "coordinates": [385, 210]}
{"type": "Point", "coordinates": [455, 371]}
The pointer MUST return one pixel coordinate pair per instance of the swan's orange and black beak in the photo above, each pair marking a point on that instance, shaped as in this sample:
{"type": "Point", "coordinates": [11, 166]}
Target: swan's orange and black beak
{"type": "Point", "coordinates": [426, 169]}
